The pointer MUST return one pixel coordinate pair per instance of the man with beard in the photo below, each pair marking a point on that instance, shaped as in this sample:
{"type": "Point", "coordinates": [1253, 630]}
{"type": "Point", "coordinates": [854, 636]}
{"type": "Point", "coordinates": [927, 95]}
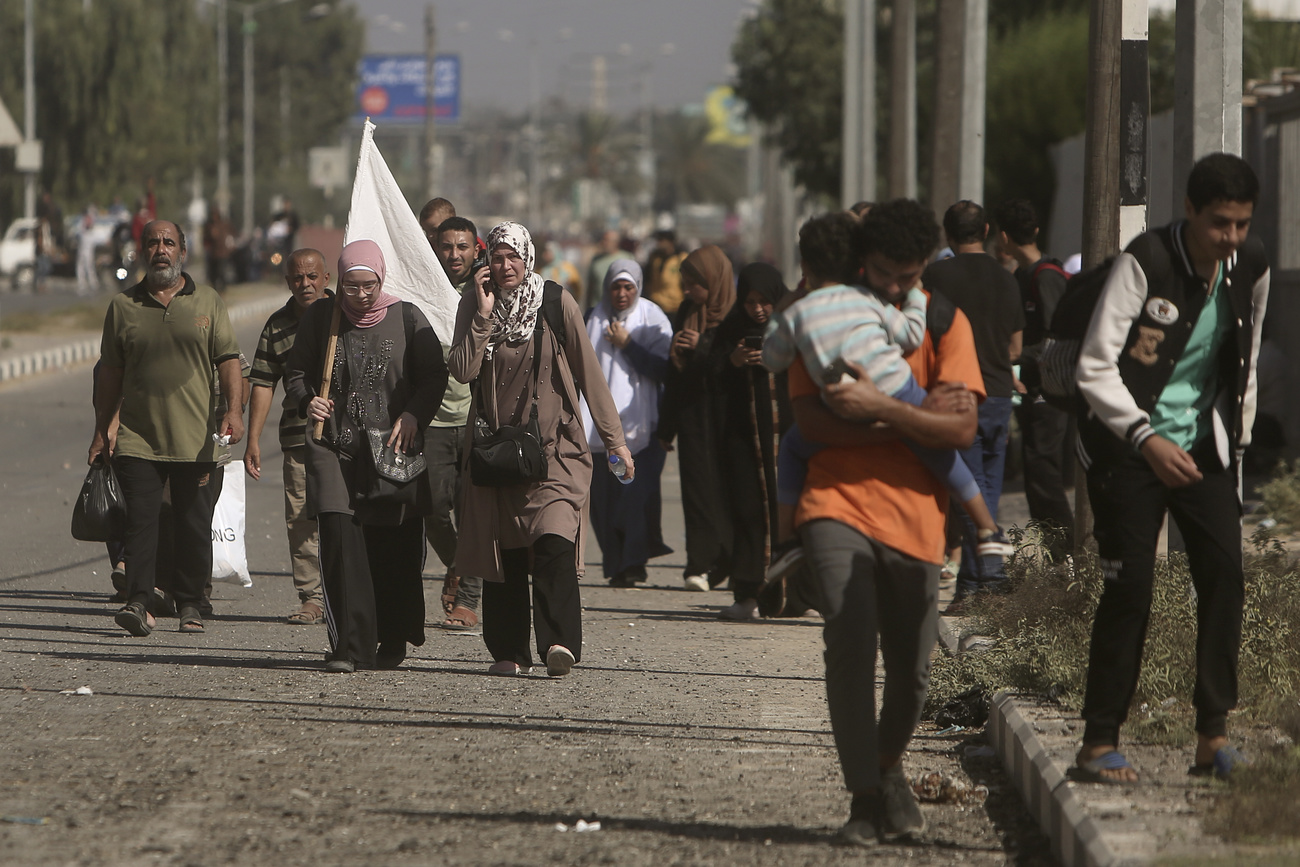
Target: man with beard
{"type": "Point", "coordinates": [162, 339]}
{"type": "Point", "coordinates": [308, 278]}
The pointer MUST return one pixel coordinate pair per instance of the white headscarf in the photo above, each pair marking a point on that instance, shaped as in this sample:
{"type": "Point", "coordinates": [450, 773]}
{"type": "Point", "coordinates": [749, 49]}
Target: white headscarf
{"type": "Point", "coordinates": [636, 395]}
{"type": "Point", "coordinates": [515, 313]}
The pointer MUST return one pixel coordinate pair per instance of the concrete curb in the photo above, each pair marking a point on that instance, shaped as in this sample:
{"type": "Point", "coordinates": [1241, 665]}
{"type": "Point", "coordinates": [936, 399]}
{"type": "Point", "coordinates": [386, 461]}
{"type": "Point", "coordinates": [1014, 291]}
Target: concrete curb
{"type": "Point", "coordinates": [85, 351]}
{"type": "Point", "coordinates": [1075, 835]}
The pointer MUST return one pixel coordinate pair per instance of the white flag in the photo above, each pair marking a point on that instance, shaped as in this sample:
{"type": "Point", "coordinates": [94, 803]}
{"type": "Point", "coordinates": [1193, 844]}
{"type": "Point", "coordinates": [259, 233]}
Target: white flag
{"type": "Point", "coordinates": [380, 213]}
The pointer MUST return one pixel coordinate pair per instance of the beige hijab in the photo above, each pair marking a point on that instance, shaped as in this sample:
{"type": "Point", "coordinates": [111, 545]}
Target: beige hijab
{"type": "Point", "coordinates": [711, 268]}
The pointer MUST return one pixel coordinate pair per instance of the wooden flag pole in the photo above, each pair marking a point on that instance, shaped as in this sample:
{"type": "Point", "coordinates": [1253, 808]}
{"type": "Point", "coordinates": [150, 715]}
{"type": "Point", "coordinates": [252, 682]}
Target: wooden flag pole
{"type": "Point", "coordinates": [328, 374]}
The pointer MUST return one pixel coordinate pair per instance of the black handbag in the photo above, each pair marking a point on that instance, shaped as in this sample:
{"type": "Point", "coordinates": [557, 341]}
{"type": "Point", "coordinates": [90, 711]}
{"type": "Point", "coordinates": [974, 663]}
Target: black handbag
{"type": "Point", "coordinates": [512, 454]}
{"type": "Point", "coordinates": [99, 514]}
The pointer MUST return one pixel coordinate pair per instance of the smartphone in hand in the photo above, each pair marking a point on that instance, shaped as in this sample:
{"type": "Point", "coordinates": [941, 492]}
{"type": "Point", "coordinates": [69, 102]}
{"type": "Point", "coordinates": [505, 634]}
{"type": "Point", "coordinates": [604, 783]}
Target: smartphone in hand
{"type": "Point", "coordinates": [754, 341]}
{"type": "Point", "coordinates": [837, 372]}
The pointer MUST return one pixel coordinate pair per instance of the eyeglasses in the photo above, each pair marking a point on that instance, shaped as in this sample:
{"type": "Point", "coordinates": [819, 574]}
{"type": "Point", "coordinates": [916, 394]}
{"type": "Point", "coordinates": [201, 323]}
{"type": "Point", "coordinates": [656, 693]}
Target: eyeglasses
{"type": "Point", "coordinates": [368, 288]}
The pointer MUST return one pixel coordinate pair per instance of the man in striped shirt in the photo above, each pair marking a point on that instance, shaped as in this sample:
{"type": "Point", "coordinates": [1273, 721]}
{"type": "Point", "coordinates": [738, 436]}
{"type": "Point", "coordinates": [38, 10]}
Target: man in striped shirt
{"type": "Point", "coordinates": [308, 278]}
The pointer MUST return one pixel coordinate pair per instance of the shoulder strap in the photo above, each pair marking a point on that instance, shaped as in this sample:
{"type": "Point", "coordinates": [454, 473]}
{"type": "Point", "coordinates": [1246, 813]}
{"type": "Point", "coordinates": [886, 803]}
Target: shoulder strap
{"type": "Point", "coordinates": [939, 314]}
{"type": "Point", "coordinates": [553, 310]}
{"type": "Point", "coordinates": [1045, 265]}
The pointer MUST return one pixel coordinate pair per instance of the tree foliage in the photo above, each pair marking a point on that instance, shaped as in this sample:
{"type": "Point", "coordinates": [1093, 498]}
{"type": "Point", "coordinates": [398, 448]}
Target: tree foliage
{"type": "Point", "coordinates": [789, 61]}
{"type": "Point", "coordinates": [127, 90]}
{"type": "Point", "coordinates": [689, 169]}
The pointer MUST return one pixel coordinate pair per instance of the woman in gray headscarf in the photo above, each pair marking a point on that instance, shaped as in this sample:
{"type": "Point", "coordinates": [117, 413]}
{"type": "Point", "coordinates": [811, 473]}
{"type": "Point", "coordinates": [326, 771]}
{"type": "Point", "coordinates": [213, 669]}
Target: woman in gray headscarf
{"type": "Point", "coordinates": [499, 326]}
{"type": "Point", "coordinates": [631, 336]}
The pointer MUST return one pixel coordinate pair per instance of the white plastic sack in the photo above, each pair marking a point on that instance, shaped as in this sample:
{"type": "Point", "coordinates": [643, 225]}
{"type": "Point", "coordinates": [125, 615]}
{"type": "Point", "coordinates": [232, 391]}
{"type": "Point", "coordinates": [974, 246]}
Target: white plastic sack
{"type": "Point", "coordinates": [379, 212]}
{"type": "Point", "coordinates": [229, 556]}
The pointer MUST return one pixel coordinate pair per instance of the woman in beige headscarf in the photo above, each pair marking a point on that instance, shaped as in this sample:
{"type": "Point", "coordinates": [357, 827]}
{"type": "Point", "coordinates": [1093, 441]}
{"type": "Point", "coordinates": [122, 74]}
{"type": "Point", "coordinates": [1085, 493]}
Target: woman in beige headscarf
{"type": "Point", "coordinates": [689, 413]}
{"type": "Point", "coordinates": [508, 532]}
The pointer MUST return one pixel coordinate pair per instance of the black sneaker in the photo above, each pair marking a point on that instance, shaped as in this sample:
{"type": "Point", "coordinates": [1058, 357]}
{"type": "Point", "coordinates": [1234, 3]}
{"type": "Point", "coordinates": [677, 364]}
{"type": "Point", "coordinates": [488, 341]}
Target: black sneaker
{"type": "Point", "coordinates": [863, 827]}
{"type": "Point", "coordinates": [902, 814]}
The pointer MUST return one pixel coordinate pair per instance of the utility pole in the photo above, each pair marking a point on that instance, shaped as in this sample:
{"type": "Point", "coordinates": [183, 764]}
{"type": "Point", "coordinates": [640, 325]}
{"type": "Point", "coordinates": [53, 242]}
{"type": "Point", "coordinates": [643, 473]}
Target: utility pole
{"type": "Point", "coordinates": [534, 144]}
{"type": "Point", "coordinates": [223, 111]}
{"type": "Point", "coordinates": [1101, 168]}
{"type": "Point", "coordinates": [1207, 84]}
{"type": "Point", "coordinates": [961, 65]}
{"type": "Point", "coordinates": [902, 109]}
{"type": "Point", "coordinates": [599, 85]}
{"type": "Point", "coordinates": [250, 27]}
{"type": "Point", "coordinates": [858, 178]}
{"type": "Point", "coordinates": [29, 102]}
{"type": "Point", "coordinates": [430, 119]}
{"type": "Point", "coordinates": [1134, 121]}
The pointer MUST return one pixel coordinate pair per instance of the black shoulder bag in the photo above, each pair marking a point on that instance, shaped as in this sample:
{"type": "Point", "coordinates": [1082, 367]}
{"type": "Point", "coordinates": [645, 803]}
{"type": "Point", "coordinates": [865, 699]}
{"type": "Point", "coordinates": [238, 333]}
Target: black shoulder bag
{"type": "Point", "coordinates": [512, 455]}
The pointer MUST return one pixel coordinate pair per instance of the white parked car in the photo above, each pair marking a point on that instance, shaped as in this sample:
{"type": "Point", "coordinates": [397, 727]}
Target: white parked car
{"type": "Point", "coordinates": [18, 253]}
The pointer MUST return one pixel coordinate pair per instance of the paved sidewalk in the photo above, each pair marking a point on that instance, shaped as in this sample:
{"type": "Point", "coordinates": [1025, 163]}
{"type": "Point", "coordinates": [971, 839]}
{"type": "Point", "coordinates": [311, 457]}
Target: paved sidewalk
{"type": "Point", "coordinates": [24, 354]}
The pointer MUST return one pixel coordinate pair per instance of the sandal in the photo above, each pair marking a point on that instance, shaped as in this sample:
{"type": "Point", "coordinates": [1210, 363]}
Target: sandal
{"type": "Point", "coordinates": [134, 619]}
{"type": "Point", "coordinates": [460, 619]}
{"type": "Point", "coordinates": [450, 585]}
{"type": "Point", "coordinates": [1226, 761]}
{"type": "Point", "coordinates": [309, 614]}
{"type": "Point", "coordinates": [191, 619]}
{"type": "Point", "coordinates": [1091, 771]}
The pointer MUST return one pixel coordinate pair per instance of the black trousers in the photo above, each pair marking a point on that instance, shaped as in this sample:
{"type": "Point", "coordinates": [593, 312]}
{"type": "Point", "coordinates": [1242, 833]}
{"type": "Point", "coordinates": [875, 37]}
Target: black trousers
{"type": "Point", "coordinates": [1129, 503]}
{"type": "Point", "coordinates": [748, 508]}
{"type": "Point", "coordinates": [192, 487]}
{"type": "Point", "coordinates": [1048, 465]}
{"type": "Point", "coordinates": [556, 604]}
{"type": "Point", "coordinates": [371, 579]}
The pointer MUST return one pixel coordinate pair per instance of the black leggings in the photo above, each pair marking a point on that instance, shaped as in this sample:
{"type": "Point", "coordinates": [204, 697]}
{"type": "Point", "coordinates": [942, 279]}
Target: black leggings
{"type": "Point", "coordinates": [556, 604]}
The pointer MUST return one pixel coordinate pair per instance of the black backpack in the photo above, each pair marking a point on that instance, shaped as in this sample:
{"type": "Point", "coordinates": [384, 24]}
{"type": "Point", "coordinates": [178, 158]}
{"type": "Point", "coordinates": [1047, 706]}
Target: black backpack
{"type": "Point", "coordinates": [1059, 355]}
{"type": "Point", "coordinates": [553, 310]}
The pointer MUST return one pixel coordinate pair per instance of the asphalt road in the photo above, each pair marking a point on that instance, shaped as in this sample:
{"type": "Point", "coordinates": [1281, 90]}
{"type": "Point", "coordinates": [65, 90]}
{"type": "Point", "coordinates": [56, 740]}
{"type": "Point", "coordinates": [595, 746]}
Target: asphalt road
{"type": "Point", "coordinates": [690, 740]}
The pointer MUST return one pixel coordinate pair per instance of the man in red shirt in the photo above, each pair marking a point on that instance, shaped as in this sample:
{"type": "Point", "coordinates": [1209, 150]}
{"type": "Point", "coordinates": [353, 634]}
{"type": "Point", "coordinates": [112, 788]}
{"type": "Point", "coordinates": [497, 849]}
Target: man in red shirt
{"type": "Point", "coordinates": [872, 522]}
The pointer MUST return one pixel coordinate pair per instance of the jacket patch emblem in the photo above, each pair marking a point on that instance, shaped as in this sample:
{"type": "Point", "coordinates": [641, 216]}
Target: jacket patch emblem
{"type": "Point", "coordinates": [202, 321]}
{"type": "Point", "coordinates": [1162, 310]}
{"type": "Point", "coordinates": [1146, 348]}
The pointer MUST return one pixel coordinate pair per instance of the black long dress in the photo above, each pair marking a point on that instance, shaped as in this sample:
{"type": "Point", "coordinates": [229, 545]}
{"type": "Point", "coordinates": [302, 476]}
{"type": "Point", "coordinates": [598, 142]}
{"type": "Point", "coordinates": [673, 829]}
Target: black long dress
{"type": "Point", "coordinates": [690, 412]}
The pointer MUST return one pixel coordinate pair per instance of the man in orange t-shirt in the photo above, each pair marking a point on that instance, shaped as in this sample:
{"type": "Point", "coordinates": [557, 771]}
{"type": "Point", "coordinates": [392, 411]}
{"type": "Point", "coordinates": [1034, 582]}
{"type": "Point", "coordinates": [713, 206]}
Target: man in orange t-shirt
{"type": "Point", "coordinates": [872, 522]}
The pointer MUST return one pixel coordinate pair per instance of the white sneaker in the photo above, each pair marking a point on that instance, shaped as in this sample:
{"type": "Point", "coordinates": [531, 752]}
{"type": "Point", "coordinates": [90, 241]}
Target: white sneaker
{"type": "Point", "coordinates": [745, 612]}
{"type": "Point", "coordinates": [507, 668]}
{"type": "Point", "coordinates": [559, 661]}
{"type": "Point", "coordinates": [698, 583]}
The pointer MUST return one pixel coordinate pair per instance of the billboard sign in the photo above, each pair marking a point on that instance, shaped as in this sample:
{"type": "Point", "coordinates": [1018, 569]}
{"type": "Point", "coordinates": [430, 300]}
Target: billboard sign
{"type": "Point", "coordinates": [390, 88]}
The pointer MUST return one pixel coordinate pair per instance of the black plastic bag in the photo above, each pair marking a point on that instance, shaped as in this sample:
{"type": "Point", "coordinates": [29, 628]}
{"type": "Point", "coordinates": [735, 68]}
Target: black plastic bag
{"type": "Point", "coordinates": [969, 709]}
{"type": "Point", "coordinates": [100, 512]}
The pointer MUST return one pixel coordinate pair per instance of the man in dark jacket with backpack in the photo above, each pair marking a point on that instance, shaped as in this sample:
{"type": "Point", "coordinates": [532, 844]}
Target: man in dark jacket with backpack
{"type": "Point", "coordinates": [1044, 428]}
{"type": "Point", "coordinates": [1167, 370]}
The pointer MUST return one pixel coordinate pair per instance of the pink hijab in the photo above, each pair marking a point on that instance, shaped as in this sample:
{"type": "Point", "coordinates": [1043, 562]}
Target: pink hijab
{"type": "Point", "coordinates": [364, 256]}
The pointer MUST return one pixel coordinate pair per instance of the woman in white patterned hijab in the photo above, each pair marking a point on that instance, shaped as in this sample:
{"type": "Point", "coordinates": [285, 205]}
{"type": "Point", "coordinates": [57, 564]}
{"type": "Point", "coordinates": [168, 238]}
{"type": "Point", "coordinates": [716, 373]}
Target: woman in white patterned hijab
{"type": "Point", "coordinates": [517, 288]}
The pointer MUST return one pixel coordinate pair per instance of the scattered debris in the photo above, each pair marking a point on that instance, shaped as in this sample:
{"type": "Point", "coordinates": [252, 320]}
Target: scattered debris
{"type": "Point", "coordinates": [578, 826]}
{"type": "Point", "coordinates": [25, 820]}
{"type": "Point", "coordinates": [81, 690]}
{"type": "Point", "coordinates": [950, 730]}
{"type": "Point", "coordinates": [979, 752]}
{"type": "Point", "coordinates": [936, 788]}
{"type": "Point", "coordinates": [969, 708]}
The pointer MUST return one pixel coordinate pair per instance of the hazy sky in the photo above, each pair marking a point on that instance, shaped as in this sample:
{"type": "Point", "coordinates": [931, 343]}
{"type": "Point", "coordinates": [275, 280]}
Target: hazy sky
{"type": "Point", "coordinates": [688, 42]}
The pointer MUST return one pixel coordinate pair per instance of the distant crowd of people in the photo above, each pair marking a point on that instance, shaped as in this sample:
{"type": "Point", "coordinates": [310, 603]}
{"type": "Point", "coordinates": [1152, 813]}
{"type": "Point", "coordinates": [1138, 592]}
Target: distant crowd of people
{"type": "Point", "coordinates": [821, 431]}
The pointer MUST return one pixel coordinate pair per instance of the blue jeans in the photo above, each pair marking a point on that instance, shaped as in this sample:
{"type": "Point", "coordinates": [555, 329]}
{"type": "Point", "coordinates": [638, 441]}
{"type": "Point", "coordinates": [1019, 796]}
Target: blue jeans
{"type": "Point", "coordinates": [987, 457]}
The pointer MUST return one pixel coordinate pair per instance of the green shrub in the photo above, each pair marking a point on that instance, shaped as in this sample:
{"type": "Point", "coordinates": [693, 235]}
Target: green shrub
{"type": "Point", "coordinates": [1281, 494]}
{"type": "Point", "coordinates": [1043, 627]}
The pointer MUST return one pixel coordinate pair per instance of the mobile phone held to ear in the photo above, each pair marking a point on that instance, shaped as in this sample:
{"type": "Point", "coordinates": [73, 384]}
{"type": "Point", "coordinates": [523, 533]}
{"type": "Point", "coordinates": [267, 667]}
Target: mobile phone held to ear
{"type": "Point", "coordinates": [754, 341]}
{"type": "Point", "coordinates": [837, 372]}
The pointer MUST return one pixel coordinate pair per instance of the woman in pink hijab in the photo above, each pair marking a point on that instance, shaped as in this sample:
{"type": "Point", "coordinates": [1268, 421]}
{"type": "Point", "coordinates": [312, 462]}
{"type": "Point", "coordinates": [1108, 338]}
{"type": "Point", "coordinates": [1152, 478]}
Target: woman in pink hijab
{"type": "Point", "coordinates": [387, 376]}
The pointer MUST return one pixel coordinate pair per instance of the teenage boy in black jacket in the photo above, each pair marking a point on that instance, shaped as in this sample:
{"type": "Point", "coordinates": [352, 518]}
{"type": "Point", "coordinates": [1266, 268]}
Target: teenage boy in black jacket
{"type": "Point", "coordinates": [1168, 372]}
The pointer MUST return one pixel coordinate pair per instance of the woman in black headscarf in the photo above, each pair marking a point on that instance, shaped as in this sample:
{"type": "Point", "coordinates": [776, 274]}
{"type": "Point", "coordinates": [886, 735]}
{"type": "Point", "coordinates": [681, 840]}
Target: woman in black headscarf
{"type": "Point", "coordinates": [755, 412]}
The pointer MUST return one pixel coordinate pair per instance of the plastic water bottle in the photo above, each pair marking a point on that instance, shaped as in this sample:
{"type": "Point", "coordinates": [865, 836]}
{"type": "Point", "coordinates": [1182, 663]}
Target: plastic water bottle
{"type": "Point", "coordinates": [618, 467]}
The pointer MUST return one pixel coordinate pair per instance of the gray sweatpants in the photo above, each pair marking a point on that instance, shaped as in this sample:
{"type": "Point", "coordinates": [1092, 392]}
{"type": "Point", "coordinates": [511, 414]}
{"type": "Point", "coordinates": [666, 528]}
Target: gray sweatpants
{"type": "Point", "coordinates": [866, 589]}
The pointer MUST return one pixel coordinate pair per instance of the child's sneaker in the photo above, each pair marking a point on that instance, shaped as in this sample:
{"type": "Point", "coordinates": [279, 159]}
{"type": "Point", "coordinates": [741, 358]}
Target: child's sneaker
{"type": "Point", "coordinates": [993, 543]}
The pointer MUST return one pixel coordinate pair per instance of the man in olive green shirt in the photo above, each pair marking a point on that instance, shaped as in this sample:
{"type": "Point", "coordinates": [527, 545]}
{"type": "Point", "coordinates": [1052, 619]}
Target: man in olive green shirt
{"type": "Point", "coordinates": [162, 339]}
{"type": "Point", "coordinates": [456, 247]}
